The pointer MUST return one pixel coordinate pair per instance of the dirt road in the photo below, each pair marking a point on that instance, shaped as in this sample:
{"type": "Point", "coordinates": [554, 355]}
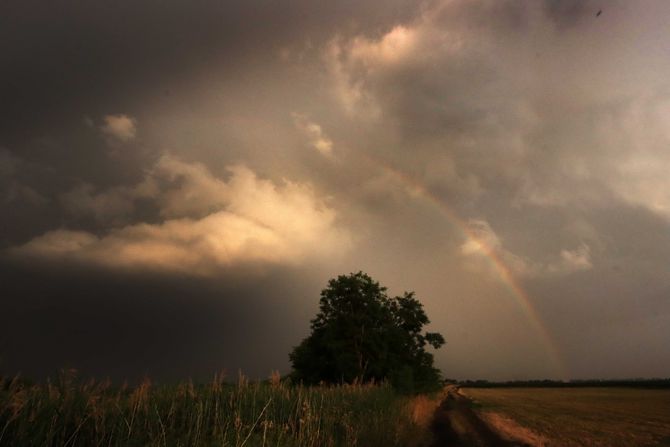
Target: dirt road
{"type": "Point", "coordinates": [455, 423]}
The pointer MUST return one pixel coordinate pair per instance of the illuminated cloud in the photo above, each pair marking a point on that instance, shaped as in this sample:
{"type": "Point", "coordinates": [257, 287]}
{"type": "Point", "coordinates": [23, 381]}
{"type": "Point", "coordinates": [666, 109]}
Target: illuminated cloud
{"type": "Point", "coordinates": [394, 46]}
{"type": "Point", "coordinates": [483, 249]}
{"type": "Point", "coordinates": [577, 259]}
{"type": "Point", "coordinates": [347, 90]}
{"type": "Point", "coordinates": [190, 189]}
{"type": "Point", "coordinates": [313, 132]}
{"type": "Point", "coordinates": [354, 64]}
{"type": "Point", "coordinates": [119, 127]}
{"type": "Point", "coordinates": [210, 224]}
{"type": "Point", "coordinates": [638, 135]}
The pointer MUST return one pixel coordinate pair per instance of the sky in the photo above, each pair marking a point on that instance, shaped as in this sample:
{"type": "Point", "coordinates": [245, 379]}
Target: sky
{"type": "Point", "coordinates": [179, 180]}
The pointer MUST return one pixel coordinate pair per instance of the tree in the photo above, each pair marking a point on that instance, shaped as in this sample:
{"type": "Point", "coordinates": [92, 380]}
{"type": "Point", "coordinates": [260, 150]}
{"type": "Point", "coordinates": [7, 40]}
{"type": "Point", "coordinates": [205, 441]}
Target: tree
{"type": "Point", "coordinates": [360, 334]}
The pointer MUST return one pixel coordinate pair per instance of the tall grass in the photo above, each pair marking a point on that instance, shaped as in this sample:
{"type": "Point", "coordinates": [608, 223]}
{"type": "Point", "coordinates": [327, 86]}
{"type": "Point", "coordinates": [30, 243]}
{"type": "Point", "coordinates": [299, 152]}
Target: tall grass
{"type": "Point", "coordinates": [68, 412]}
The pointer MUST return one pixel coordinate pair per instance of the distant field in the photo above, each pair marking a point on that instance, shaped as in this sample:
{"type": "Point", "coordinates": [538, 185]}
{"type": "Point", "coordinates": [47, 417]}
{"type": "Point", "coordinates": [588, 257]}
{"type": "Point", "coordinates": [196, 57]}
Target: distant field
{"type": "Point", "coordinates": [584, 416]}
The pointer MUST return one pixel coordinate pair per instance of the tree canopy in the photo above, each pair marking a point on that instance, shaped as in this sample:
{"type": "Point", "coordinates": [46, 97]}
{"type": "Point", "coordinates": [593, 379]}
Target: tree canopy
{"type": "Point", "coordinates": [360, 334]}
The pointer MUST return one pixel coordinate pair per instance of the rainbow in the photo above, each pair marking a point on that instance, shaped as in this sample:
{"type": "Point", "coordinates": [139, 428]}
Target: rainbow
{"type": "Point", "coordinates": [517, 292]}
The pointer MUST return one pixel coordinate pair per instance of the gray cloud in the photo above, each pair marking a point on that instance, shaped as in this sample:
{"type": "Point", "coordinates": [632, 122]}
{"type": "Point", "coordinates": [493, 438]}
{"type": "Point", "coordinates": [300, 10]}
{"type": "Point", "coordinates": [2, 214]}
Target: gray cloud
{"type": "Point", "coordinates": [11, 188]}
{"type": "Point", "coordinates": [538, 123]}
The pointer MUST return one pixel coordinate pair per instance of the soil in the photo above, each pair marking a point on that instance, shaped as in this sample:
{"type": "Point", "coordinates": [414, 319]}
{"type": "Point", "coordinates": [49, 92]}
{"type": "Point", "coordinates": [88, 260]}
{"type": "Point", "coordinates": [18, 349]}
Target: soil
{"type": "Point", "coordinates": [456, 424]}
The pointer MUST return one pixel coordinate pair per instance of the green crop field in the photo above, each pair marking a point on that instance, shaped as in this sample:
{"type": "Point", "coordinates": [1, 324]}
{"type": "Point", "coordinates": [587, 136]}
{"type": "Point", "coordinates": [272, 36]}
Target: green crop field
{"type": "Point", "coordinates": [72, 412]}
{"type": "Point", "coordinates": [584, 416]}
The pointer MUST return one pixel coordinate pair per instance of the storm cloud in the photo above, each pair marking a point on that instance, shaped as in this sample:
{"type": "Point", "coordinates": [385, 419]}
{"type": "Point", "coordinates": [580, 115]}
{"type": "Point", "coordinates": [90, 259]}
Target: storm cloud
{"type": "Point", "coordinates": [220, 161]}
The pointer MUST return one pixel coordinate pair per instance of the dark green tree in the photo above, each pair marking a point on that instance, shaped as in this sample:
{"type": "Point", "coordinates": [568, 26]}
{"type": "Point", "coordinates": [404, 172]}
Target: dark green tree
{"type": "Point", "coordinates": [360, 334]}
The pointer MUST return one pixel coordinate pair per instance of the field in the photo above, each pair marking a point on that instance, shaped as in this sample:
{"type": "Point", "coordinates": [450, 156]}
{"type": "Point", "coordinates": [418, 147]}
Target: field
{"type": "Point", "coordinates": [583, 416]}
{"type": "Point", "coordinates": [71, 412]}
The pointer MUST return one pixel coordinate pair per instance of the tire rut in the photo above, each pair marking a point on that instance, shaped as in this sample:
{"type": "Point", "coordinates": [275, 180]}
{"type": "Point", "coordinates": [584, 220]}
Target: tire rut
{"type": "Point", "coordinates": [456, 424]}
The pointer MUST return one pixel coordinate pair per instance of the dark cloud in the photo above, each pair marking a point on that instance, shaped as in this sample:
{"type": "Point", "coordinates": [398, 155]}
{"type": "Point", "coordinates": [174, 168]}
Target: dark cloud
{"type": "Point", "coordinates": [99, 58]}
{"type": "Point", "coordinates": [126, 325]}
{"type": "Point", "coordinates": [566, 13]}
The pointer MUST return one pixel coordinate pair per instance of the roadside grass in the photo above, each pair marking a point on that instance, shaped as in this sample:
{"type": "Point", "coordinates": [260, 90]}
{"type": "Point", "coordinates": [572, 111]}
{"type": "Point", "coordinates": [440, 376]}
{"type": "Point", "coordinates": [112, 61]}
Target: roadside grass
{"type": "Point", "coordinates": [584, 416]}
{"type": "Point", "coordinates": [69, 412]}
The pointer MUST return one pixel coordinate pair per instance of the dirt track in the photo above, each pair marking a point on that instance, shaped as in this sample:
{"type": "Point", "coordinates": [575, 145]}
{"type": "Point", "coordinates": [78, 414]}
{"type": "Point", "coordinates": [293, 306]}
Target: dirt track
{"type": "Point", "coordinates": [455, 423]}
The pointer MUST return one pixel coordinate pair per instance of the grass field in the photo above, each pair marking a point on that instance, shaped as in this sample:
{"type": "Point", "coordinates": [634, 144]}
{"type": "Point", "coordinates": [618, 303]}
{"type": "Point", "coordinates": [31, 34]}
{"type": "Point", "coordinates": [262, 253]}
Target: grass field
{"type": "Point", "coordinates": [584, 416]}
{"type": "Point", "coordinates": [69, 412]}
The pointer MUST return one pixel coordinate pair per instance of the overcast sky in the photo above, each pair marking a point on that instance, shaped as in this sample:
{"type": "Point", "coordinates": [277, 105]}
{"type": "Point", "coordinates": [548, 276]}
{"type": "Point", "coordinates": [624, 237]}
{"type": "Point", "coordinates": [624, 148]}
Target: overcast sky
{"type": "Point", "coordinates": [179, 180]}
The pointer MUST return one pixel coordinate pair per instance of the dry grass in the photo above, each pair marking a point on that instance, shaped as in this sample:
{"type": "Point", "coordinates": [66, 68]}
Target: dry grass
{"type": "Point", "coordinates": [583, 416]}
{"type": "Point", "coordinates": [422, 410]}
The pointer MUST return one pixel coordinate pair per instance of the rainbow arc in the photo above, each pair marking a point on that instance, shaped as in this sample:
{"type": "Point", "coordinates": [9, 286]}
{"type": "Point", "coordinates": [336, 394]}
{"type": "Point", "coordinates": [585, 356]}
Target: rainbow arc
{"type": "Point", "coordinates": [505, 274]}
